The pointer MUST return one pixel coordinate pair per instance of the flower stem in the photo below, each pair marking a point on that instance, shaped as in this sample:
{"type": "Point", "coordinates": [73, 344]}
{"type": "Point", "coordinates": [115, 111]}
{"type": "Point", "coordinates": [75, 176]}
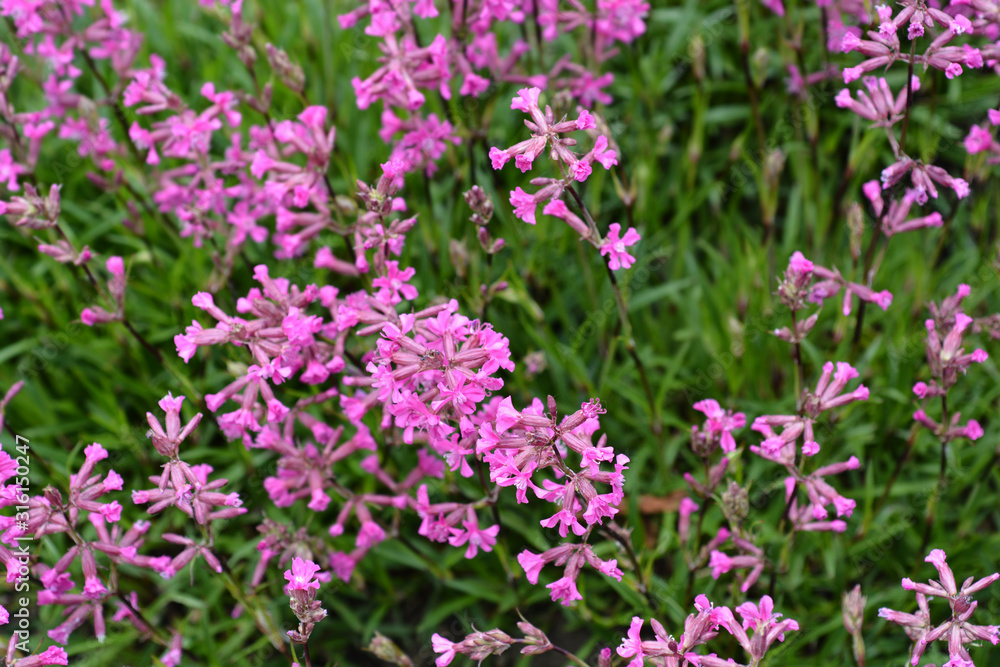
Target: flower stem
{"type": "Point", "coordinates": [654, 410]}
{"type": "Point", "coordinates": [570, 656]}
{"type": "Point", "coordinates": [939, 488]}
{"type": "Point", "coordinates": [799, 368]}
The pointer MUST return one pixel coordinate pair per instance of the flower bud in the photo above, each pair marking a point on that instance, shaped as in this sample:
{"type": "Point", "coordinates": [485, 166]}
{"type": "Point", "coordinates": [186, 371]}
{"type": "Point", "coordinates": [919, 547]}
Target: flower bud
{"type": "Point", "coordinates": [535, 640]}
{"type": "Point", "coordinates": [385, 649]}
{"type": "Point", "coordinates": [853, 607]}
{"type": "Point", "coordinates": [290, 74]}
{"type": "Point", "coordinates": [856, 227]}
{"type": "Point", "coordinates": [735, 503]}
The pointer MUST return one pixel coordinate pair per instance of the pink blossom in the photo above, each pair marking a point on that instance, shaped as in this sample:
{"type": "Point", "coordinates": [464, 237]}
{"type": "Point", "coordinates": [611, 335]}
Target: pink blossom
{"type": "Point", "coordinates": [978, 140]}
{"type": "Point", "coordinates": [300, 577]}
{"type": "Point", "coordinates": [524, 205]}
{"type": "Point", "coordinates": [615, 247]}
{"type": "Point", "coordinates": [471, 534]}
{"type": "Point", "coordinates": [631, 646]}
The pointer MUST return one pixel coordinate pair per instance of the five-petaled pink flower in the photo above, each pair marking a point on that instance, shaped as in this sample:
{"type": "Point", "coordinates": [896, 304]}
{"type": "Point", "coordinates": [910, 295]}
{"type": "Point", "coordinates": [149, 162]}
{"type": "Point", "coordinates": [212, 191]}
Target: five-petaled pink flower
{"type": "Point", "coordinates": [615, 246]}
{"type": "Point", "coordinates": [300, 577]}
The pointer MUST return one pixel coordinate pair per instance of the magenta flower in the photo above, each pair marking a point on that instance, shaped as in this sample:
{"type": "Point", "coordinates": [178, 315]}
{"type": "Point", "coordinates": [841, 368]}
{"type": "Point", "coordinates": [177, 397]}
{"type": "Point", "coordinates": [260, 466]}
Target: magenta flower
{"type": "Point", "coordinates": [394, 285]}
{"type": "Point", "coordinates": [532, 565]}
{"type": "Point", "coordinates": [300, 577]}
{"type": "Point", "coordinates": [632, 645]}
{"type": "Point", "coordinates": [721, 423]}
{"type": "Point", "coordinates": [615, 247]}
{"type": "Point", "coordinates": [978, 140]}
{"type": "Point", "coordinates": [473, 535]}
{"type": "Point", "coordinates": [765, 624]}
{"type": "Point", "coordinates": [564, 590]}
{"type": "Point", "coordinates": [445, 647]}
{"type": "Point", "coordinates": [524, 205]}
{"type": "Point", "coordinates": [957, 631]}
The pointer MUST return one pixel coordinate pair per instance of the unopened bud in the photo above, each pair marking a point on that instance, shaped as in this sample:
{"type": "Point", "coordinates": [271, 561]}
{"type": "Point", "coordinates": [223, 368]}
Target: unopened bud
{"type": "Point", "coordinates": [481, 205]}
{"type": "Point", "coordinates": [856, 225]}
{"type": "Point", "coordinates": [702, 443]}
{"type": "Point", "coordinates": [735, 503]}
{"type": "Point", "coordinates": [696, 50]}
{"type": "Point", "coordinates": [535, 640]}
{"type": "Point", "coordinates": [385, 649]}
{"type": "Point", "coordinates": [853, 608]}
{"type": "Point", "coordinates": [290, 74]}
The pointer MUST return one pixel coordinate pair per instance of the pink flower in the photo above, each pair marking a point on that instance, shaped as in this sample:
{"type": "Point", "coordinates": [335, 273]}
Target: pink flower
{"type": "Point", "coordinates": [261, 164]}
{"type": "Point", "coordinates": [393, 285]}
{"type": "Point", "coordinates": [607, 158]}
{"type": "Point", "coordinates": [524, 205]}
{"type": "Point", "coordinates": [53, 655]}
{"type": "Point", "coordinates": [978, 140]}
{"type": "Point", "coordinates": [370, 535]}
{"type": "Point", "coordinates": [445, 647]}
{"type": "Point", "coordinates": [615, 246]}
{"type": "Point", "coordinates": [300, 577]}
{"type": "Point", "coordinates": [564, 590]}
{"type": "Point", "coordinates": [973, 431]}
{"type": "Point", "coordinates": [721, 422]}
{"type": "Point", "coordinates": [526, 98]}
{"type": "Point", "coordinates": [632, 645]}
{"type": "Point", "coordinates": [775, 6]}
{"type": "Point", "coordinates": [472, 535]}
{"type": "Point", "coordinates": [116, 266]}
{"type": "Point", "coordinates": [581, 170]}
{"type": "Point", "coordinates": [720, 563]}
{"type": "Point", "coordinates": [94, 453]}
{"type": "Point", "coordinates": [532, 565]}
{"type": "Point", "coordinates": [498, 157]}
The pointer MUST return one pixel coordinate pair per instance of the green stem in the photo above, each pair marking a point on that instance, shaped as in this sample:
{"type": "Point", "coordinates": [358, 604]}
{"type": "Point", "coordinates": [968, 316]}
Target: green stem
{"type": "Point", "coordinates": [570, 656]}
{"type": "Point", "coordinates": [654, 410]}
{"type": "Point", "coordinates": [939, 488]}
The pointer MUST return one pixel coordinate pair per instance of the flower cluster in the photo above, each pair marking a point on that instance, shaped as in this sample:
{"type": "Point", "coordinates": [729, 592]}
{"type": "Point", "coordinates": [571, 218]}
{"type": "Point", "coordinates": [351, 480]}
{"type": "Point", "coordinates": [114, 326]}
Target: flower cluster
{"type": "Point", "coordinates": [480, 645]}
{"type": "Point", "coordinates": [957, 631]}
{"type": "Point", "coordinates": [948, 360]}
{"type": "Point", "coordinates": [805, 281]}
{"type": "Point", "coordinates": [704, 626]}
{"type": "Point", "coordinates": [547, 135]}
{"type": "Point", "coordinates": [519, 444]}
